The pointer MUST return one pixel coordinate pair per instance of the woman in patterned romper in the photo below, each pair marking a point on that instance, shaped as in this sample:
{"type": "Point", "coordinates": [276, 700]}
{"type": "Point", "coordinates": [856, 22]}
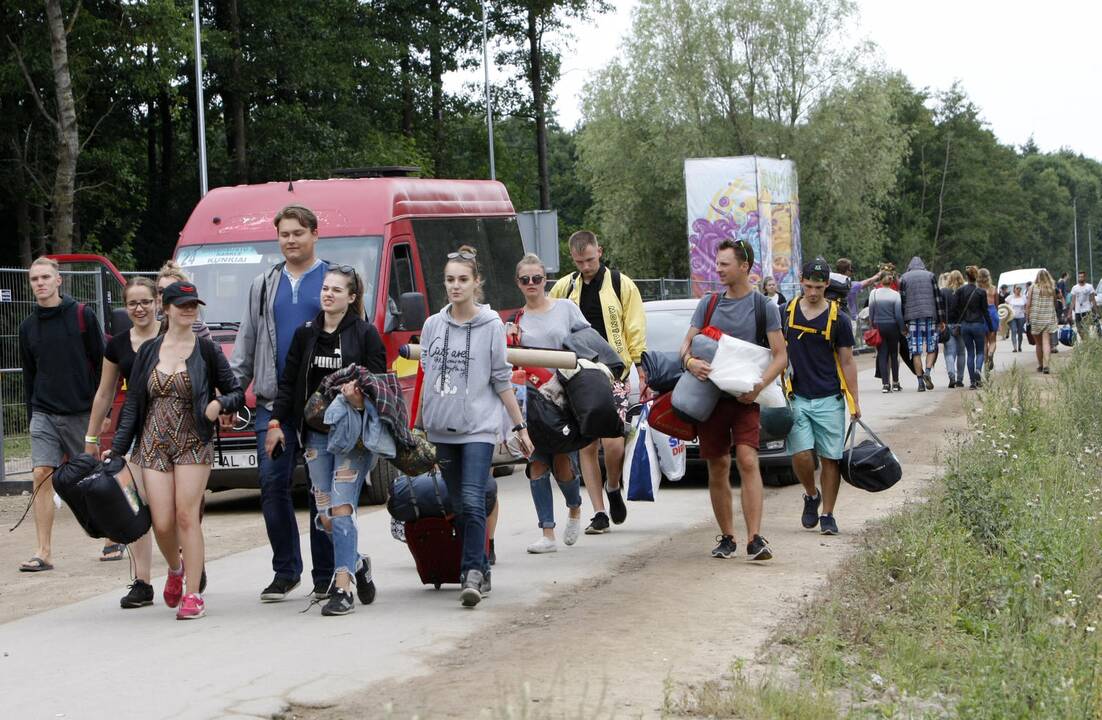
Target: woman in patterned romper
{"type": "Point", "coordinates": [172, 400]}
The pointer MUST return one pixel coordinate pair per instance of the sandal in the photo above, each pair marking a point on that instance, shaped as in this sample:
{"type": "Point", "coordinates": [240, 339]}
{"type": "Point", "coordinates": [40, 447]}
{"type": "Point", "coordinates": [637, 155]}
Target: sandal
{"type": "Point", "coordinates": [112, 552]}
{"type": "Point", "coordinates": [35, 564]}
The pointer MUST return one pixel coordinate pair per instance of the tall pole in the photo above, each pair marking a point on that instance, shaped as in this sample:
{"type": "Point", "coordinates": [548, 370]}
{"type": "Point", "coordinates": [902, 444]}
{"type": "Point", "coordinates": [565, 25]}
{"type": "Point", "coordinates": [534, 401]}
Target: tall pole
{"type": "Point", "coordinates": [486, 71]}
{"type": "Point", "coordinates": [1075, 231]}
{"type": "Point", "coordinates": [200, 106]}
{"type": "Point", "coordinates": [1090, 253]}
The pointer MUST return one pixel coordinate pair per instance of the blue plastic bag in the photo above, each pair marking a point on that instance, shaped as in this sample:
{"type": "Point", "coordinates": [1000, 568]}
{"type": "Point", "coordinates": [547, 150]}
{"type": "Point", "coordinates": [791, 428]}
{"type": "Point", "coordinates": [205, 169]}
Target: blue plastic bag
{"type": "Point", "coordinates": [641, 471]}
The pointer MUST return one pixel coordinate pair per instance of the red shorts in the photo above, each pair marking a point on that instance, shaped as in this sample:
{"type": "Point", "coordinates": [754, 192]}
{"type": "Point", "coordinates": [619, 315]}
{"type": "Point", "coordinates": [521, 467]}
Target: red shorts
{"type": "Point", "coordinates": [732, 423]}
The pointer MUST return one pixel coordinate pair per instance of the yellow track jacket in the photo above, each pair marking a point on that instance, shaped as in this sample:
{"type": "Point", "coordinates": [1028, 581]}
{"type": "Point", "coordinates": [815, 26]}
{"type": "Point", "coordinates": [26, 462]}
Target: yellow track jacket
{"type": "Point", "coordinates": [625, 322]}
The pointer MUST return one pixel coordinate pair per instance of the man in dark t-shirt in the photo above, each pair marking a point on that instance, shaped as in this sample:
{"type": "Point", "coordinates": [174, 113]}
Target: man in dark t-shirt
{"type": "Point", "coordinates": [820, 357]}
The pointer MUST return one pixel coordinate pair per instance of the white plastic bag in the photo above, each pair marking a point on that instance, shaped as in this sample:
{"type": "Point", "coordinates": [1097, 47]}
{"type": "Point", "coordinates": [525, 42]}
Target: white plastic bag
{"type": "Point", "coordinates": [772, 396]}
{"type": "Point", "coordinates": [738, 365]}
{"type": "Point", "coordinates": [671, 454]}
{"type": "Point", "coordinates": [641, 472]}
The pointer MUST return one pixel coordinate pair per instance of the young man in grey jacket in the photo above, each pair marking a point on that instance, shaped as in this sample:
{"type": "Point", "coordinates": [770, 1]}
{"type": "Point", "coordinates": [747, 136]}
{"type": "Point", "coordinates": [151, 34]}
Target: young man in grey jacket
{"type": "Point", "coordinates": [924, 313]}
{"type": "Point", "coordinates": [280, 300]}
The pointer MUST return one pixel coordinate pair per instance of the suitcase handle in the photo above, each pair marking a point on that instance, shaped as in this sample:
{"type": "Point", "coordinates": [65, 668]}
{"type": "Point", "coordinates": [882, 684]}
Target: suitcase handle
{"type": "Point", "coordinates": [851, 438]}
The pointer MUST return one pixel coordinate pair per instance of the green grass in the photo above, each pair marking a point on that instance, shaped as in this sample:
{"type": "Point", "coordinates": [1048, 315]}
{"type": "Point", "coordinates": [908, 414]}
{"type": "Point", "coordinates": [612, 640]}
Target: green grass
{"type": "Point", "coordinates": [982, 602]}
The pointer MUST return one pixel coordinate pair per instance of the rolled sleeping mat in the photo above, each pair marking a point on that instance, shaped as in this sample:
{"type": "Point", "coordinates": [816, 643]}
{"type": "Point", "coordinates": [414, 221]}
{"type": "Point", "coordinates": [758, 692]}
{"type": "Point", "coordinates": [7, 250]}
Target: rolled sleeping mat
{"type": "Point", "coordinates": [522, 357]}
{"type": "Point", "coordinates": [696, 399]}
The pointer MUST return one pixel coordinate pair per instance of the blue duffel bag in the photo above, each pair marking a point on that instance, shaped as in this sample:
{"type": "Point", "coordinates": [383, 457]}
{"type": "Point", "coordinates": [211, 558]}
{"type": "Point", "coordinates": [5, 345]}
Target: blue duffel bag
{"type": "Point", "coordinates": [663, 369]}
{"type": "Point", "coordinates": [421, 496]}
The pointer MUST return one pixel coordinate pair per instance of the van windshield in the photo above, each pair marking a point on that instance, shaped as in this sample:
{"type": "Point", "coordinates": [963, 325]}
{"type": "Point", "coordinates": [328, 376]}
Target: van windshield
{"type": "Point", "coordinates": [224, 272]}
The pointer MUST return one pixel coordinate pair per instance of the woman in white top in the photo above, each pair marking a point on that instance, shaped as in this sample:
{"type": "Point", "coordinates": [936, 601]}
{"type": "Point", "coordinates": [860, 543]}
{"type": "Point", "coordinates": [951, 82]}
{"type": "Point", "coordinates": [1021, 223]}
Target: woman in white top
{"type": "Point", "coordinates": [1016, 301]}
{"type": "Point", "coordinates": [772, 291]}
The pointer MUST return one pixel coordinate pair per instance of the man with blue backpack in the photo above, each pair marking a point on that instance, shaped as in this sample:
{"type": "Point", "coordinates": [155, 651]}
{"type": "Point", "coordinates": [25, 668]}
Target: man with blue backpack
{"type": "Point", "coordinates": [820, 383]}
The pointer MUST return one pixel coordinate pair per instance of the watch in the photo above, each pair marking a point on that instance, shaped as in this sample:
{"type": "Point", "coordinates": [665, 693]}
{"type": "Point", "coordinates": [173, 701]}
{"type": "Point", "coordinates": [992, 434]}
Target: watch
{"type": "Point", "coordinates": [521, 426]}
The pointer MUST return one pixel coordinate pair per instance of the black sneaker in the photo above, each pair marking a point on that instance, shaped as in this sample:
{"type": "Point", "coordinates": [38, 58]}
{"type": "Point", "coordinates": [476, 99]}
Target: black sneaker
{"type": "Point", "coordinates": [896, 387]}
{"type": "Point", "coordinates": [887, 388]}
{"type": "Point", "coordinates": [927, 380]}
{"type": "Point", "coordinates": [340, 603]}
{"type": "Point", "coordinates": [279, 589]}
{"type": "Point", "coordinates": [758, 549]}
{"type": "Point", "coordinates": [492, 554]}
{"type": "Point", "coordinates": [726, 548]}
{"type": "Point", "coordinates": [471, 593]}
{"type": "Point", "coordinates": [598, 525]}
{"type": "Point", "coordinates": [485, 587]}
{"type": "Point", "coordinates": [365, 586]}
{"type": "Point", "coordinates": [921, 385]}
{"type": "Point", "coordinates": [810, 517]}
{"type": "Point", "coordinates": [140, 595]}
{"type": "Point", "coordinates": [322, 589]}
{"type": "Point", "coordinates": [616, 507]}
{"type": "Point", "coordinates": [827, 525]}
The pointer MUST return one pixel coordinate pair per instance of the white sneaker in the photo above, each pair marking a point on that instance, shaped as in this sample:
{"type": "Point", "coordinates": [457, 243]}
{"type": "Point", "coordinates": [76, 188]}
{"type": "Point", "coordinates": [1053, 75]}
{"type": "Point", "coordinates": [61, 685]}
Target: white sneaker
{"type": "Point", "coordinates": [543, 545]}
{"type": "Point", "coordinates": [573, 529]}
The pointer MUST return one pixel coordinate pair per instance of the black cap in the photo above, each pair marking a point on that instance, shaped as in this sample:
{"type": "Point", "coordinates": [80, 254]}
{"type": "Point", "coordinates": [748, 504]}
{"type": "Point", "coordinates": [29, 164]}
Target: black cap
{"type": "Point", "coordinates": [817, 270]}
{"type": "Point", "coordinates": [179, 293]}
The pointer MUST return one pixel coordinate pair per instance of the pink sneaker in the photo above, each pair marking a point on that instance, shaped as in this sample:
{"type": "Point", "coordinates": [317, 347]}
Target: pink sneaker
{"type": "Point", "coordinates": [174, 587]}
{"type": "Point", "coordinates": [191, 608]}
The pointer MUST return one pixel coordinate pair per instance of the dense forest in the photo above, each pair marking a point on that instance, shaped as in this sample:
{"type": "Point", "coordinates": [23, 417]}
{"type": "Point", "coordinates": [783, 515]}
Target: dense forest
{"type": "Point", "coordinates": [99, 142]}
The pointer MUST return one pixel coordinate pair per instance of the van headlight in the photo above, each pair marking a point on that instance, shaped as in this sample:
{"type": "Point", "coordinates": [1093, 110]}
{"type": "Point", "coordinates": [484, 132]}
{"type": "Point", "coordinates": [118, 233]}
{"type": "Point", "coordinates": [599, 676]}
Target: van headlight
{"type": "Point", "coordinates": [775, 445]}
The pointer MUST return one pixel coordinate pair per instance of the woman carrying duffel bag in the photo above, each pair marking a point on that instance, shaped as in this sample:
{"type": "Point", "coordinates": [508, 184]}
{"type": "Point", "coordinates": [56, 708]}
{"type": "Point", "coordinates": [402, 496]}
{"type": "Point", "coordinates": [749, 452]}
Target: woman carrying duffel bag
{"type": "Point", "coordinates": [544, 322]}
{"type": "Point", "coordinates": [338, 337]}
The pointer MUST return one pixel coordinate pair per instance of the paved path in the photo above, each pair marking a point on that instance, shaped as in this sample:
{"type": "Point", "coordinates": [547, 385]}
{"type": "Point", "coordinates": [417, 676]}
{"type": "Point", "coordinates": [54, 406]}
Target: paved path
{"type": "Point", "coordinates": [245, 659]}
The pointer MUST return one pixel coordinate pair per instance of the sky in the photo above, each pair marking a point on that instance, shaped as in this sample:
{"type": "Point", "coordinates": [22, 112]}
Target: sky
{"type": "Point", "coordinates": [1033, 68]}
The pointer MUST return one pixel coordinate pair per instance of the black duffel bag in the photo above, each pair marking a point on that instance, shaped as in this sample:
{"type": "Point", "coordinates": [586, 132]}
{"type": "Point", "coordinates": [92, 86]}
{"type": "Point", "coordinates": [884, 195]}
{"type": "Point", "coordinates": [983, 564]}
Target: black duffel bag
{"type": "Point", "coordinates": [589, 394]}
{"type": "Point", "coordinates": [421, 496]}
{"type": "Point", "coordinates": [663, 369]}
{"type": "Point", "coordinates": [551, 428]}
{"type": "Point", "coordinates": [870, 465]}
{"type": "Point", "coordinates": [104, 498]}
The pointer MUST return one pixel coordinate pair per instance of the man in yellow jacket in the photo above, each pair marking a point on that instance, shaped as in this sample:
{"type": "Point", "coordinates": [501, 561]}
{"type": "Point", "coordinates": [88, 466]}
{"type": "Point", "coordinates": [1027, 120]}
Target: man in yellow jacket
{"type": "Point", "coordinates": [611, 303]}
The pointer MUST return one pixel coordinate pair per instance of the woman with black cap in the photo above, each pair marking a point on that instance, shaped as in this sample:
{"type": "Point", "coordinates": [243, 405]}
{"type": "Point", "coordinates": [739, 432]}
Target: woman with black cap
{"type": "Point", "coordinates": [172, 407]}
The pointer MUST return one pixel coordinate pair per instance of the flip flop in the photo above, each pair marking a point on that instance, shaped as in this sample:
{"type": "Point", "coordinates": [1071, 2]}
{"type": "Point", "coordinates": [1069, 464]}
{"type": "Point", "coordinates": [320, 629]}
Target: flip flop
{"type": "Point", "coordinates": [111, 550]}
{"type": "Point", "coordinates": [35, 564]}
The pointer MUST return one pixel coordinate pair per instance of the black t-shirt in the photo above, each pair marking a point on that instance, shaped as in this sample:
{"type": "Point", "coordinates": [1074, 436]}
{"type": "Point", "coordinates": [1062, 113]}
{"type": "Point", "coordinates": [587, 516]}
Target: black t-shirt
{"type": "Point", "coordinates": [814, 373]}
{"type": "Point", "coordinates": [327, 360]}
{"type": "Point", "coordinates": [120, 351]}
{"type": "Point", "coordinates": [590, 301]}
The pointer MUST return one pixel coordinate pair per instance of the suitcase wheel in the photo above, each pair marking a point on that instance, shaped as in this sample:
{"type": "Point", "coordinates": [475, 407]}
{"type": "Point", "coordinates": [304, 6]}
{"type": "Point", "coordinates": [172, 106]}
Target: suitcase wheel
{"type": "Point", "coordinates": [436, 585]}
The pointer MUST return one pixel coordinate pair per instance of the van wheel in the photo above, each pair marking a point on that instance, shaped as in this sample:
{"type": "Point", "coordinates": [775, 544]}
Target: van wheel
{"type": "Point", "coordinates": [381, 478]}
{"type": "Point", "coordinates": [779, 478]}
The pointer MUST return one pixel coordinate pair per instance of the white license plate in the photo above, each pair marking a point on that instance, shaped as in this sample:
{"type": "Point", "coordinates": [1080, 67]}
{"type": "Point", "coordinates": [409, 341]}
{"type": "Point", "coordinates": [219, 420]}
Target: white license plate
{"type": "Point", "coordinates": [241, 460]}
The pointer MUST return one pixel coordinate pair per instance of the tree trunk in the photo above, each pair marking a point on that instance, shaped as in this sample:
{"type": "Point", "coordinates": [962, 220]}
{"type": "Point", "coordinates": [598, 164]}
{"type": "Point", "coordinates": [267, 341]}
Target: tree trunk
{"type": "Point", "coordinates": [235, 101]}
{"type": "Point", "coordinates": [436, 76]}
{"type": "Point", "coordinates": [407, 96]}
{"type": "Point", "coordinates": [23, 218]}
{"type": "Point", "coordinates": [941, 198]}
{"type": "Point", "coordinates": [68, 144]}
{"type": "Point", "coordinates": [168, 145]}
{"type": "Point", "coordinates": [535, 66]}
{"type": "Point", "coordinates": [151, 187]}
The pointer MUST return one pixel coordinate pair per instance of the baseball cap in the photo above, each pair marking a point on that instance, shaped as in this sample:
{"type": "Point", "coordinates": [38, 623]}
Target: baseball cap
{"type": "Point", "coordinates": [817, 270]}
{"type": "Point", "coordinates": [179, 293]}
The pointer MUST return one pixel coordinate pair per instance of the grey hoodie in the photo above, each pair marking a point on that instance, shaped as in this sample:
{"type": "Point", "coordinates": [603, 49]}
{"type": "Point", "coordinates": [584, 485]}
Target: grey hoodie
{"type": "Point", "coordinates": [918, 290]}
{"type": "Point", "coordinates": [461, 403]}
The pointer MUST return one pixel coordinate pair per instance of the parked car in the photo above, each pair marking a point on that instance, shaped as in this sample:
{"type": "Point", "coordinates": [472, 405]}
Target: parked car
{"type": "Point", "coordinates": [667, 323]}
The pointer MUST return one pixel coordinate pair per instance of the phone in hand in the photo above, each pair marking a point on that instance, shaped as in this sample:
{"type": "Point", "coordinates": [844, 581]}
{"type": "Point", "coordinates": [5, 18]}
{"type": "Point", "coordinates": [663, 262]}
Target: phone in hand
{"type": "Point", "coordinates": [277, 451]}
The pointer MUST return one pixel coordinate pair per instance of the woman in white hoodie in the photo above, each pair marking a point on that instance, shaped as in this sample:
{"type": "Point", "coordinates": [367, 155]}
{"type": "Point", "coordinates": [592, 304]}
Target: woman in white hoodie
{"type": "Point", "coordinates": [467, 382]}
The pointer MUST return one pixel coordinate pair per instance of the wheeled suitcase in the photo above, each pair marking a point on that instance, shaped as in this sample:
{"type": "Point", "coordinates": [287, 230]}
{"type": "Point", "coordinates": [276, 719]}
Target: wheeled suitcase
{"type": "Point", "coordinates": [436, 548]}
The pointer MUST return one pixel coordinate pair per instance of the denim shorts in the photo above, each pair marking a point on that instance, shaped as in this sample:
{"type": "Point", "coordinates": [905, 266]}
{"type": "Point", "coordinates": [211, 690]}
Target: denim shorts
{"type": "Point", "coordinates": [818, 425]}
{"type": "Point", "coordinates": [923, 336]}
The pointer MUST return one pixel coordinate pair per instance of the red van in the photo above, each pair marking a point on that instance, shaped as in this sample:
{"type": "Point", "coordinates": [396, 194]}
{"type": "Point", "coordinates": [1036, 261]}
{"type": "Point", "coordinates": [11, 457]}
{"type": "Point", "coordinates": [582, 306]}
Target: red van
{"type": "Point", "coordinates": [397, 231]}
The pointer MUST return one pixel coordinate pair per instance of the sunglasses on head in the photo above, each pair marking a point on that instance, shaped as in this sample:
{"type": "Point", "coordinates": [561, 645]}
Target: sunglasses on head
{"type": "Point", "coordinates": [462, 255]}
{"type": "Point", "coordinates": [343, 269]}
{"type": "Point", "coordinates": [531, 279]}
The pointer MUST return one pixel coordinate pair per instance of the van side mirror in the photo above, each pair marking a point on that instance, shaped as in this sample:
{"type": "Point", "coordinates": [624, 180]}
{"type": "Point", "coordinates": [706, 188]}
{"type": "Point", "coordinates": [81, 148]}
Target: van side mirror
{"type": "Point", "coordinates": [411, 307]}
{"type": "Point", "coordinates": [408, 314]}
{"type": "Point", "coordinates": [119, 322]}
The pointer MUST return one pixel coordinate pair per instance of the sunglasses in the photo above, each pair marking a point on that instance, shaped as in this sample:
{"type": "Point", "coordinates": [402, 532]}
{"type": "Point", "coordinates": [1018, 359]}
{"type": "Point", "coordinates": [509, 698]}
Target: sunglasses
{"type": "Point", "coordinates": [531, 279]}
{"type": "Point", "coordinates": [343, 269]}
{"type": "Point", "coordinates": [462, 255]}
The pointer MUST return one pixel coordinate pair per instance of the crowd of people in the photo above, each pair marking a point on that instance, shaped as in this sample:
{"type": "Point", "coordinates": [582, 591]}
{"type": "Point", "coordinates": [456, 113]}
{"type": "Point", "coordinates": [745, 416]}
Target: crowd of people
{"type": "Point", "coordinates": [303, 327]}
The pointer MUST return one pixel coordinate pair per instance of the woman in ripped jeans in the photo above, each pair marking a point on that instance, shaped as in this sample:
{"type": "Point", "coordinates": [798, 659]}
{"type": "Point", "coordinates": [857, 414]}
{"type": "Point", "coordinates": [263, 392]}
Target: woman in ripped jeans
{"type": "Point", "coordinates": [338, 337]}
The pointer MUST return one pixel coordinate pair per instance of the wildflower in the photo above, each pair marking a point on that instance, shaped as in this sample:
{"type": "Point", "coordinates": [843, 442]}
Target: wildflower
{"type": "Point", "coordinates": [1090, 628]}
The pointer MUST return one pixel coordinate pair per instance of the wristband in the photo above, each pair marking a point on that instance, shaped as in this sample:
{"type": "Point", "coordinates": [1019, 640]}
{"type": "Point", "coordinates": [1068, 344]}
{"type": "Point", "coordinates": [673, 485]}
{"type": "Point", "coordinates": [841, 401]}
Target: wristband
{"type": "Point", "coordinates": [520, 426]}
{"type": "Point", "coordinates": [273, 423]}
{"type": "Point", "coordinates": [91, 440]}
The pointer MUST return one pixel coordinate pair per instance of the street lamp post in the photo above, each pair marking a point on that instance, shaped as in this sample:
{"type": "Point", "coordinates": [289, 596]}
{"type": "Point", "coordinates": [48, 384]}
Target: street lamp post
{"type": "Point", "coordinates": [486, 72]}
{"type": "Point", "coordinates": [199, 105]}
{"type": "Point", "coordinates": [1075, 231]}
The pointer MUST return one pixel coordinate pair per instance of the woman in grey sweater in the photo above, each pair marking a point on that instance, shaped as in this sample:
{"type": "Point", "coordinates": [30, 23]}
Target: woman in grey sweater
{"type": "Point", "coordinates": [886, 315]}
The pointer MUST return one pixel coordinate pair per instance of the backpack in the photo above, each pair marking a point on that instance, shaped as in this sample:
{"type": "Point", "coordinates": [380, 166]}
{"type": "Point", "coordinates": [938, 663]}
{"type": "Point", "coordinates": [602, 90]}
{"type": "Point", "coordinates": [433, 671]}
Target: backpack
{"type": "Point", "coordinates": [829, 334]}
{"type": "Point", "coordinates": [616, 284]}
{"type": "Point", "coordinates": [760, 300]}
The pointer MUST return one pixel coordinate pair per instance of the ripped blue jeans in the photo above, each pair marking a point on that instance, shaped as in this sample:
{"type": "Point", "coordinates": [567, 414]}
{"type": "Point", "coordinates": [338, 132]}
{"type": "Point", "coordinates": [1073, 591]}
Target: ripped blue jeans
{"type": "Point", "coordinates": [337, 480]}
